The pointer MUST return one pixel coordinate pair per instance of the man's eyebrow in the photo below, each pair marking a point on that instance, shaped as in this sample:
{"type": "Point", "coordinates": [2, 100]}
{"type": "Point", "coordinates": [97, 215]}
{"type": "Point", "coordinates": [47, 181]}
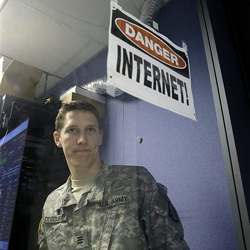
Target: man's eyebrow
{"type": "Point", "coordinates": [71, 126]}
{"type": "Point", "coordinates": [77, 126]}
{"type": "Point", "coordinates": [92, 125]}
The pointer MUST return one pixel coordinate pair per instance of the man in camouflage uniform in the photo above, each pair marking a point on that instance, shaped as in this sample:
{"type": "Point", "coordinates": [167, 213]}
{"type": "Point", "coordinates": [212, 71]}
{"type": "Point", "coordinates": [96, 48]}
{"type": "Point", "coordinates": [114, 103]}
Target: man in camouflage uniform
{"type": "Point", "coordinates": [103, 207]}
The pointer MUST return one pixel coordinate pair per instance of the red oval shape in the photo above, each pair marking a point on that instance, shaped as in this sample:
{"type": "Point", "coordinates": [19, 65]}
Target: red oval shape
{"type": "Point", "coordinates": [150, 43]}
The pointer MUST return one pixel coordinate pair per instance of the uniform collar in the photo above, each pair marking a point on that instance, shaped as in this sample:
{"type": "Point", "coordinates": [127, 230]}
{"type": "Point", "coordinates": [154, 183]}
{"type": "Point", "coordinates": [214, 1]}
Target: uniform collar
{"type": "Point", "coordinates": [95, 194]}
{"type": "Point", "coordinates": [67, 198]}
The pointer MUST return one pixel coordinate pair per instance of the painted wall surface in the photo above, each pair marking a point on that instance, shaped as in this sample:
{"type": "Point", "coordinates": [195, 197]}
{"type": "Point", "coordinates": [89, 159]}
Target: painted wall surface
{"type": "Point", "coordinates": [182, 154]}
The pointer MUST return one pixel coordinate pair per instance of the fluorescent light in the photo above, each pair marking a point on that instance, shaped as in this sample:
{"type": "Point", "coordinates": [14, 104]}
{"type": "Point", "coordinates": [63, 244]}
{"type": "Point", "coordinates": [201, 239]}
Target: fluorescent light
{"type": "Point", "coordinates": [2, 4]}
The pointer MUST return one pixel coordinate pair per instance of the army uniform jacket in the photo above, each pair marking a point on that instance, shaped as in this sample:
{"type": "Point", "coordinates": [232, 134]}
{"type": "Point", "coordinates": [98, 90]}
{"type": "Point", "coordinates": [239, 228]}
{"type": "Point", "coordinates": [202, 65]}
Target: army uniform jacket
{"type": "Point", "coordinates": [124, 210]}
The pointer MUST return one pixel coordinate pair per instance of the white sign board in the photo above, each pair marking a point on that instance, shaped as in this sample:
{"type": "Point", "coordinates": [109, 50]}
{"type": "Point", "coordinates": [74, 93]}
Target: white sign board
{"type": "Point", "coordinates": [146, 64]}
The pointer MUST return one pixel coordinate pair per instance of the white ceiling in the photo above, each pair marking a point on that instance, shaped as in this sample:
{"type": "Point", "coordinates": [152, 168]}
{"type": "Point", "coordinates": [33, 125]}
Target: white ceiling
{"type": "Point", "coordinates": [57, 36]}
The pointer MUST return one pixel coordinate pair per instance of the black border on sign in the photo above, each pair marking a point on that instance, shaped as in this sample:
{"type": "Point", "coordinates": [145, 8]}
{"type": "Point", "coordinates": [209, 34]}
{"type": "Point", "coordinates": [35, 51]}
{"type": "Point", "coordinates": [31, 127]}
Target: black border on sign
{"type": "Point", "coordinates": [116, 13]}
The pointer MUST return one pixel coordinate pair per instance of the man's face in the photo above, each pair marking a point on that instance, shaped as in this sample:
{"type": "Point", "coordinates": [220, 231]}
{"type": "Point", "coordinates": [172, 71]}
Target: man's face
{"type": "Point", "coordinates": [80, 138]}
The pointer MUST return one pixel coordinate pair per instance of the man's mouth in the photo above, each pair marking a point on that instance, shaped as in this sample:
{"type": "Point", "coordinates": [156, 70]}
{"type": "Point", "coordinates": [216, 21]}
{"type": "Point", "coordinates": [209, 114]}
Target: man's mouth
{"type": "Point", "coordinates": [81, 150]}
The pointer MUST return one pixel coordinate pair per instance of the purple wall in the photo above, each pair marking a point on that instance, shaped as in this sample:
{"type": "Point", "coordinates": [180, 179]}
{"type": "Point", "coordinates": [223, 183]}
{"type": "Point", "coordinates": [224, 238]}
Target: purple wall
{"type": "Point", "coordinates": [183, 154]}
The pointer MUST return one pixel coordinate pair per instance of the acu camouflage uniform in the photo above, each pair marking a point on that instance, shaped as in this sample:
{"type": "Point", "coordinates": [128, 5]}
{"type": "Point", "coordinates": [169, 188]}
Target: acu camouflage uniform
{"type": "Point", "coordinates": [124, 210]}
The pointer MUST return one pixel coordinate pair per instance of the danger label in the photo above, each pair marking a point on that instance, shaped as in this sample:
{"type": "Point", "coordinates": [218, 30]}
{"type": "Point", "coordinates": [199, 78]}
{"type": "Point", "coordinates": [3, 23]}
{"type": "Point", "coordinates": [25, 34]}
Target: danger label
{"type": "Point", "coordinates": [147, 65]}
{"type": "Point", "coordinates": [150, 43]}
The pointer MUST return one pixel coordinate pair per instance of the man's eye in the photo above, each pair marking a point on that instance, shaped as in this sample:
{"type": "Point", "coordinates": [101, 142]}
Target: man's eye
{"type": "Point", "coordinates": [91, 130]}
{"type": "Point", "coordinates": [71, 130]}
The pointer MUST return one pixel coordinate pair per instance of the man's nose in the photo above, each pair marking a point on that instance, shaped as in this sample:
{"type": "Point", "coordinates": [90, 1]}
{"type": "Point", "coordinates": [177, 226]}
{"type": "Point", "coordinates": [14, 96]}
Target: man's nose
{"type": "Point", "coordinates": [82, 138]}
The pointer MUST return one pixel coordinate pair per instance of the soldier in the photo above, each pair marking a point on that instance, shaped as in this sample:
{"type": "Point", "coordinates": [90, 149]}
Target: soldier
{"type": "Point", "coordinates": [100, 206]}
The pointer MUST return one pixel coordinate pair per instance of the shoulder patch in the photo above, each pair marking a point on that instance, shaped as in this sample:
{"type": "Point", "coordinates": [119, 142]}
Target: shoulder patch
{"type": "Point", "coordinates": [171, 209]}
{"type": "Point", "coordinates": [172, 212]}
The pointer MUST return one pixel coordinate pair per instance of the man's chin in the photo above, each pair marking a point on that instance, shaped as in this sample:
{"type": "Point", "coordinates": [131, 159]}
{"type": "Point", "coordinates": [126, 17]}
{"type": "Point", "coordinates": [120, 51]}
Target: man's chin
{"type": "Point", "coordinates": [81, 162]}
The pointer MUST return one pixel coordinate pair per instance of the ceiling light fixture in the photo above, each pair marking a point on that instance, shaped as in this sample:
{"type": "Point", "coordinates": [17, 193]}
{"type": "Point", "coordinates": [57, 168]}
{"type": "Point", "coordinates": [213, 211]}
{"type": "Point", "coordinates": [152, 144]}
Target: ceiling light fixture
{"type": "Point", "coordinates": [2, 4]}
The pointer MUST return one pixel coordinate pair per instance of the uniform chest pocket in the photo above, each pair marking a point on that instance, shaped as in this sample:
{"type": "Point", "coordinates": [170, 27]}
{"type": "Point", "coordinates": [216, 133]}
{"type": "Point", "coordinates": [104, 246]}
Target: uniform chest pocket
{"type": "Point", "coordinates": [121, 227]}
{"type": "Point", "coordinates": [56, 228]}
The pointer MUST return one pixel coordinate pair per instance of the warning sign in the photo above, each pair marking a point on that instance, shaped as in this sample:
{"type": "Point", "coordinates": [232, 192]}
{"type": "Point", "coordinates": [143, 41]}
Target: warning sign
{"type": "Point", "coordinates": [146, 64]}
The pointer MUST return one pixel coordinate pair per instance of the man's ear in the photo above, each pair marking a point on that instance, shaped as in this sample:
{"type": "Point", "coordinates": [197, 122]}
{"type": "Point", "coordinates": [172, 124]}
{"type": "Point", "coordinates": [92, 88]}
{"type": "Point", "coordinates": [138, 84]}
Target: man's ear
{"type": "Point", "coordinates": [57, 140]}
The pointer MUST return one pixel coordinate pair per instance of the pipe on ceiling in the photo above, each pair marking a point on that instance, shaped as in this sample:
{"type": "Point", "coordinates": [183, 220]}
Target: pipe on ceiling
{"type": "Point", "coordinates": [150, 8]}
{"type": "Point", "coordinates": [148, 11]}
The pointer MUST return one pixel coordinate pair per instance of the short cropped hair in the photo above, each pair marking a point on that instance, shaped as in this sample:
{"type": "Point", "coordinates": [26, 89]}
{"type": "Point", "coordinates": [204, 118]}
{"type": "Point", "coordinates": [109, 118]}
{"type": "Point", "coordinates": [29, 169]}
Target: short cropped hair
{"type": "Point", "coordinates": [78, 106]}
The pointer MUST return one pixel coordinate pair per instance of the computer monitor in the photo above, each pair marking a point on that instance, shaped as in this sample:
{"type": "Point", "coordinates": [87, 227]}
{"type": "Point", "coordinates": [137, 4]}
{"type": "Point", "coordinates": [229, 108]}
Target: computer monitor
{"type": "Point", "coordinates": [11, 156]}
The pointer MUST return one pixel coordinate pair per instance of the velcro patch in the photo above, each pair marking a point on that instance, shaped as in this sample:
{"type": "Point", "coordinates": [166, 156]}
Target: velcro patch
{"type": "Point", "coordinates": [118, 200]}
{"type": "Point", "coordinates": [54, 219]}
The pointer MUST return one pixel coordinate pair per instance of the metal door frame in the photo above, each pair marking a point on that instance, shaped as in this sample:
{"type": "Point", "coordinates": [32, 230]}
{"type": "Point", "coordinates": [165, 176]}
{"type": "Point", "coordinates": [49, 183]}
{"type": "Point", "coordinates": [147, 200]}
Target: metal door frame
{"type": "Point", "coordinates": [238, 201]}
